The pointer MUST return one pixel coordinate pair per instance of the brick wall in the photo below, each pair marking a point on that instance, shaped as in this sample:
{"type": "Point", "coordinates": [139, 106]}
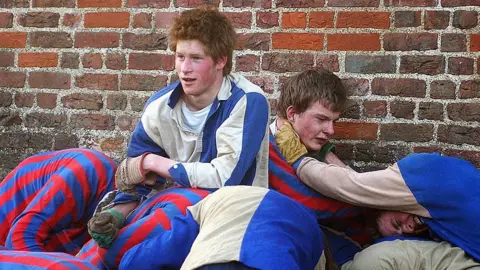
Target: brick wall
{"type": "Point", "coordinates": [77, 72]}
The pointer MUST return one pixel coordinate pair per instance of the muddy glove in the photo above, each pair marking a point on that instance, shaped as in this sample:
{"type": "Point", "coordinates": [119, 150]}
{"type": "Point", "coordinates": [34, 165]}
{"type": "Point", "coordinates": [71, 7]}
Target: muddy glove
{"type": "Point", "coordinates": [104, 227]}
{"type": "Point", "coordinates": [130, 173]}
{"type": "Point", "coordinates": [289, 143]}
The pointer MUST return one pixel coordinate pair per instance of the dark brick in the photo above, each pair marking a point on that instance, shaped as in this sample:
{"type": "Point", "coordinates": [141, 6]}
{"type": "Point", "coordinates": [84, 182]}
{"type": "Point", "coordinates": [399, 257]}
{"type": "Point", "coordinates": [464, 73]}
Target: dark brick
{"type": "Point", "coordinates": [116, 102]}
{"type": "Point", "coordinates": [410, 42]}
{"type": "Point", "coordinates": [459, 134]}
{"type": "Point", "coordinates": [407, 18]}
{"type": "Point", "coordinates": [12, 79]}
{"type": "Point", "coordinates": [253, 41]}
{"type": "Point", "coordinates": [6, 20]}
{"type": "Point", "coordinates": [72, 20]}
{"type": "Point", "coordinates": [464, 111]}
{"type": "Point", "coordinates": [460, 65]}
{"type": "Point", "coordinates": [14, 3]}
{"type": "Point", "coordinates": [83, 101]}
{"type": "Point", "coordinates": [93, 121]}
{"type": "Point", "coordinates": [46, 120]}
{"type": "Point", "coordinates": [353, 3]}
{"type": "Point", "coordinates": [352, 109]}
{"type": "Point", "coordinates": [54, 3]}
{"type": "Point", "coordinates": [465, 19]}
{"type": "Point", "coordinates": [472, 156]}
{"type": "Point", "coordinates": [126, 122]}
{"type": "Point", "coordinates": [375, 108]}
{"type": "Point", "coordinates": [266, 83]}
{"type": "Point", "coordinates": [145, 42]}
{"type": "Point", "coordinates": [267, 19]}
{"type": "Point", "coordinates": [194, 3]}
{"type": "Point", "coordinates": [97, 81]}
{"type": "Point", "coordinates": [345, 152]}
{"type": "Point", "coordinates": [469, 89]}
{"type": "Point", "coordinates": [115, 61]}
{"type": "Point", "coordinates": [437, 19]}
{"type": "Point", "coordinates": [382, 154]}
{"type": "Point", "coordinates": [65, 141]}
{"type": "Point", "coordinates": [92, 60]}
{"type": "Point", "coordinates": [137, 103]}
{"type": "Point", "coordinates": [150, 61]}
{"type": "Point", "coordinates": [24, 99]}
{"type": "Point", "coordinates": [39, 19]}
{"type": "Point", "coordinates": [22, 140]}
{"type": "Point", "coordinates": [148, 3]}
{"type": "Point", "coordinates": [246, 3]}
{"type": "Point", "coordinates": [356, 86]}
{"type": "Point", "coordinates": [47, 100]}
{"type": "Point", "coordinates": [247, 62]}
{"type": "Point", "coordinates": [280, 62]}
{"type": "Point", "coordinates": [300, 3]}
{"type": "Point", "coordinates": [430, 110]}
{"type": "Point", "coordinates": [49, 80]}
{"type": "Point", "coordinates": [70, 60]}
{"type": "Point", "coordinates": [402, 109]}
{"type": "Point", "coordinates": [410, 3]}
{"type": "Point", "coordinates": [97, 40]}
{"type": "Point", "coordinates": [428, 64]}
{"type": "Point", "coordinates": [140, 82]}
{"type": "Point", "coordinates": [7, 59]}
{"type": "Point", "coordinates": [406, 132]}
{"type": "Point", "coordinates": [328, 62]}
{"type": "Point", "coordinates": [442, 89]}
{"type": "Point", "coordinates": [10, 118]}
{"type": "Point", "coordinates": [398, 87]}
{"type": "Point", "coordinates": [5, 99]}
{"type": "Point", "coordinates": [370, 64]}
{"type": "Point", "coordinates": [454, 43]}
{"type": "Point", "coordinates": [51, 40]}
{"type": "Point", "coordinates": [457, 3]}
{"type": "Point", "coordinates": [239, 19]}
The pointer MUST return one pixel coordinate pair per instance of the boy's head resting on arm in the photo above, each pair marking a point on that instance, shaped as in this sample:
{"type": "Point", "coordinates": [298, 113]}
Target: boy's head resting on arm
{"type": "Point", "coordinates": [311, 101]}
{"type": "Point", "coordinates": [394, 223]}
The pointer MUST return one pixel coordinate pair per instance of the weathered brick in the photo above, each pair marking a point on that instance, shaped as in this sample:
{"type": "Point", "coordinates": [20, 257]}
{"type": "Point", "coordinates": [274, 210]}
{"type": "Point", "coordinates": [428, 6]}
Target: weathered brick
{"type": "Point", "coordinates": [37, 59]}
{"type": "Point", "coordinates": [140, 82]}
{"type": "Point", "coordinates": [97, 81]}
{"type": "Point", "coordinates": [49, 80]}
{"type": "Point", "coordinates": [300, 3]}
{"type": "Point", "coordinates": [266, 83]}
{"type": "Point", "coordinates": [410, 3]}
{"type": "Point", "coordinates": [137, 103]}
{"type": "Point", "coordinates": [273, 106]}
{"type": "Point", "coordinates": [22, 140]}
{"type": "Point", "coordinates": [352, 109]}
{"type": "Point", "coordinates": [294, 20]}
{"type": "Point", "coordinates": [54, 3]}
{"type": "Point", "coordinates": [164, 19]}
{"type": "Point", "coordinates": [383, 154]}
{"type": "Point", "coordinates": [375, 108]}
{"type": "Point", "coordinates": [46, 120]}
{"type": "Point", "coordinates": [6, 20]}
{"type": "Point", "coordinates": [112, 144]}
{"type": "Point", "coordinates": [406, 132]}
{"type": "Point", "coordinates": [116, 102]}
{"type": "Point", "coordinates": [297, 41]}
{"type": "Point", "coordinates": [430, 110]}
{"type": "Point", "coordinates": [126, 122]}
{"type": "Point", "coordinates": [246, 3]}
{"type": "Point", "coordinates": [10, 118]}
{"type": "Point", "coordinates": [267, 19]}
{"type": "Point", "coordinates": [247, 62]}
{"type": "Point", "coordinates": [472, 156]}
{"type": "Point", "coordinates": [398, 87]}
{"type": "Point", "coordinates": [106, 19]}
{"type": "Point", "coordinates": [92, 60]}
{"type": "Point", "coordinates": [464, 111]}
{"type": "Point", "coordinates": [437, 19]}
{"type": "Point", "coordinates": [51, 40]}
{"type": "Point", "coordinates": [39, 19]}
{"type": "Point", "coordinates": [280, 62]}
{"type": "Point", "coordinates": [355, 131]}
{"type": "Point", "coordinates": [7, 59]}
{"type": "Point", "coordinates": [5, 99]}
{"type": "Point", "coordinates": [145, 42]}
{"type": "Point", "coordinates": [469, 89]}
{"type": "Point", "coordinates": [24, 99]}
{"type": "Point", "coordinates": [72, 20]}
{"type": "Point", "coordinates": [459, 135]}
{"type": "Point", "coordinates": [321, 19]}
{"type": "Point", "coordinates": [405, 18]}
{"type": "Point", "coordinates": [93, 121]}
{"type": "Point", "coordinates": [356, 86]}
{"type": "Point", "coordinates": [402, 109]}
{"type": "Point", "coordinates": [14, 3]}
{"type": "Point", "coordinates": [150, 61]}
{"type": "Point", "coordinates": [65, 141]}
{"type": "Point", "coordinates": [353, 42]}
{"type": "Point", "coordinates": [13, 39]}
{"type": "Point", "coordinates": [344, 151]}
{"type": "Point", "coordinates": [410, 42]}
{"type": "Point", "coordinates": [195, 3]}
{"type": "Point", "coordinates": [99, 3]}
{"type": "Point", "coordinates": [428, 149]}
{"type": "Point", "coordinates": [474, 42]}
{"type": "Point", "coordinates": [353, 3]}
{"type": "Point", "coordinates": [427, 64]}
{"type": "Point", "coordinates": [97, 40]}
{"type": "Point", "coordinates": [327, 61]}
{"type": "Point", "coordinates": [355, 19]}
{"type": "Point", "coordinates": [115, 61]}
{"type": "Point", "coordinates": [148, 3]}
{"type": "Point", "coordinates": [83, 101]}
{"type": "Point", "coordinates": [253, 41]}
{"type": "Point", "coordinates": [442, 89]}
{"type": "Point", "coordinates": [69, 60]}
{"type": "Point", "coordinates": [239, 19]}
{"type": "Point", "coordinates": [460, 65]}
{"type": "Point", "coordinates": [457, 3]}
{"type": "Point", "coordinates": [465, 19]}
{"type": "Point", "coordinates": [454, 43]}
{"type": "Point", "coordinates": [142, 20]}
{"type": "Point", "coordinates": [12, 79]}
{"type": "Point", "coordinates": [47, 100]}
{"type": "Point", "coordinates": [370, 64]}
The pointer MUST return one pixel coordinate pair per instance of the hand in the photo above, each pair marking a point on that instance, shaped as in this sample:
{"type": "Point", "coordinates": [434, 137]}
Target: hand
{"type": "Point", "coordinates": [289, 143]}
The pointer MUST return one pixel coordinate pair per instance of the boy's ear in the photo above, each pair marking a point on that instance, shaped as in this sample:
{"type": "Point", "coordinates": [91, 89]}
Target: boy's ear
{"type": "Point", "coordinates": [221, 62]}
{"type": "Point", "coordinates": [291, 114]}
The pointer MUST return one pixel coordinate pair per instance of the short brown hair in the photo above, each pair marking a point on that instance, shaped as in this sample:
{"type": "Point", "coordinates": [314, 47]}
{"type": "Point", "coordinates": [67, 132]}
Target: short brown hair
{"type": "Point", "coordinates": [310, 86]}
{"type": "Point", "coordinates": [207, 25]}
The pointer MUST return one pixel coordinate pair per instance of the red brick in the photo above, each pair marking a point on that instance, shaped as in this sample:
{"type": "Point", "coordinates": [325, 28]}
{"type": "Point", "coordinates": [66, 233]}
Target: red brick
{"type": "Point", "coordinates": [456, 3]}
{"type": "Point", "coordinates": [356, 86]}
{"type": "Point", "coordinates": [247, 3]}
{"type": "Point", "coordinates": [145, 42]}
{"type": "Point", "coordinates": [69, 60]}
{"type": "Point", "coordinates": [410, 3]}
{"type": "Point", "coordinates": [115, 61]}
{"type": "Point", "coordinates": [253, 41]}
{"type": "Point", "coordinates": [465, 19]}
{"type": "Point", "coordinates": [6, 20]}
{"type": "Point", "coordinates": [398, 87]}
{"type": "Point", "coordinates": [426, 64]}
{"type": "Point", "coordinates": [93, 121]}
{"type": "Point", "coordinates": [464, 111]}
{"type": "Point", "coordinates": [375, 108]}
{"type": "Point", "coordinates": [406, 132]}
{"type": "Point", "coordinates": [116, 102]}
{"type": "Point", "coordinates": [267, 19]}
{"type": "Point", "coordinates": [247, 62]}
{"type": "Point", "coordinates": [402, 109]}
{"type": "Point", "coordinates": [140, 82]}
{"type": "Point", "coordinates": [142, 20]}
{"type": "Point", "coordinates": [239, 19]}
{"type": "Point", "coordinates": [353, 3]}
{"type": "Point", "coordinates": [99, 3]}
{"type": "Point", "coordinates": [6, 59]}
{"type": "Point", "coordinates": [469, 89]}
{"type": "Point", "coordinates": [474, 42]}
{"type": "Point", "coordinates": [47, 100]}
{"type": "Point", "coordinates": [49, 80]}
{"type": "Point", "coordinates": [442, 89]}
{"type": "Point", "coordinates": [112, 144]}
{"type": "Point", "coordinates": [5, 99]}
{"type": "Point", "coordinates": [294, 20]}
{"type": "Point", "coordinates": [150, 61]}
{"type": "Point", "coordinates": [328, 62]}
{"type": "Point", "coordinates": [37, 59]}
{"type": "Point", "coordinates": [297, 41]}
{"type": "Point", "coordinates": [378, 20]}
{"type": "Point", "coordinates": [72, 20]}
{"type": "Point", "coordinates": [405, 18]}
{"type": "Point", "coordinates": [13, 39]}
{"type": "Point", "coordinates": [106, 19]}
{"type": "Point", "coordinates": [454, 43]}
{"type": "Point", "coordinates": [300, 3]}
{"type": "Point", "coordinates": [83, 101]}
{"type": "Point", "coordinates": [287, 62]}
{"type": "Point", "coordinates": [12, 79]}
{"type": "Point", "coordinates": [353, 42]}
{"type": "Point", "coordinates": [51, 40]}
{"type": "Point", "coordinates": [24, 100]}
{"type": "Point", "coordinates": [266, 83]}
{"type": "Point", "coordinates": [39, 19]}
{"type": "Point", "coordinates": [460, 65]}
{"type": "Point", "coordinates": [195, 3]}
{"type": "Point", "coordinates": [321, 19]}
{"type": "Point", "coordinates": [164, 19]}
{"type": "Point", "coordinates": [92, 60]}
{"type": "Point", "coordinates": [97, 81]}
{"type": "Point", "coordinates": [355, 131]}
{"type": "Point", "coordinates": [410, 42]}
{"type": "Point", "coordinates": [53, 3]}
{"type": "Point", "coordinates": [97, 40]}
{"type": "Point", "coordinates": [148, 3]}
{"type": "Point", "coordinates": [437, 19]}
{"type": "Point", "coordinates": [430, 111]}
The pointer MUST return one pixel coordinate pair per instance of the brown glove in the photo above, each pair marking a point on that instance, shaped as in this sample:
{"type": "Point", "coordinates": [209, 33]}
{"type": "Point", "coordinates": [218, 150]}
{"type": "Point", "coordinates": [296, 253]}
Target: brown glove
{"type": "Point", "coordinates": [289, 143]}
{"type": "Point", "coordinates": [130, 173]}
